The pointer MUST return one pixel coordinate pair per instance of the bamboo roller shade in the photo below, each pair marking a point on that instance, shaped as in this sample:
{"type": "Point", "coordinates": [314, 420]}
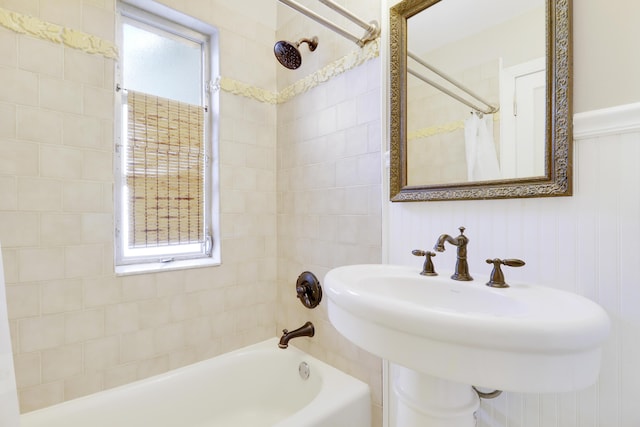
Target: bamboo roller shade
{"type": "Point", "coordinates": [164, 171]}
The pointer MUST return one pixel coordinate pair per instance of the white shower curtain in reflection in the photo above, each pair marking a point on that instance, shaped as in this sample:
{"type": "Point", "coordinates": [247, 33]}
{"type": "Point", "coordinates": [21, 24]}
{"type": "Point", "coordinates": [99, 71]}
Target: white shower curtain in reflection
{"type": "Point", "coordinates": [482, 160]}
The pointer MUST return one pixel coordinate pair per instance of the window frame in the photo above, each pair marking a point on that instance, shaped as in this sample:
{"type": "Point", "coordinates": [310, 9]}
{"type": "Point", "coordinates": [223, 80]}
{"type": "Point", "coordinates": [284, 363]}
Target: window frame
{"type": "Point", "coordinates": [147, 14]}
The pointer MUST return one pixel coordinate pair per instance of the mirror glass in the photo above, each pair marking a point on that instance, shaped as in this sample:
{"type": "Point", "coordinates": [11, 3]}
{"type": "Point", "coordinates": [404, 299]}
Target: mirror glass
{"type": "Point", "coordinates": [480, 99]}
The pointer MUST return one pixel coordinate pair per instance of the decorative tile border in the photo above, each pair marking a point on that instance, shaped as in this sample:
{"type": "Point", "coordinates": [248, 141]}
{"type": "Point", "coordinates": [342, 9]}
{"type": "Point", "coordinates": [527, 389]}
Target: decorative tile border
{"type": "Point", "coordinates": [243, 89]}
{"type": "Point", "coordinates": [440, 129]}
{"type": "Point", "coordinates": [435, 130]}
{"type": "Point", "coordinates": [88, 43]}
{"type": "Point", "coordinates": [348, 62]}
{"type": "Point", "coordinates": [35, 27]}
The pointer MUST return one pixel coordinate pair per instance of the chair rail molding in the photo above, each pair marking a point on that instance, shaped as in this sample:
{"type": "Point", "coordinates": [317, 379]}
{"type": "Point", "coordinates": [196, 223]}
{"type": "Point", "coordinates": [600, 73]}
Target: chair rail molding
{"type": "Point", "coordinates": [607, 121]}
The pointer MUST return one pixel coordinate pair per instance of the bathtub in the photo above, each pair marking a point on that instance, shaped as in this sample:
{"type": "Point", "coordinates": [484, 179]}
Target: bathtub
{"type": "Point", "coordinates": [256, 386]}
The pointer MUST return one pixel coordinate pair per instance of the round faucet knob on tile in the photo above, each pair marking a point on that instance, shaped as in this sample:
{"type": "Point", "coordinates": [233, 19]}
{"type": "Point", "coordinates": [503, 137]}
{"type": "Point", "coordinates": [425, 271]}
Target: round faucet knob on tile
{"type": "Point", "coordinates": [309, 290]}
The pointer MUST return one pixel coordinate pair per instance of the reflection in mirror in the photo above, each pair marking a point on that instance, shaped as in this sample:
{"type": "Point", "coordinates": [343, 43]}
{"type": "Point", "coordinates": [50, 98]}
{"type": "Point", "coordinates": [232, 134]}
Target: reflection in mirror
{"type": "Point", "coordinates": [482, 44]}
{"type": "Point", "coordinates": [473, 90]}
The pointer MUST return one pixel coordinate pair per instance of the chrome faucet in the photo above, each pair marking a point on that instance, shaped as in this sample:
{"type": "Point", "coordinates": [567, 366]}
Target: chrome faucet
{"type": "Point", "coordinates": [462, 268]}
{"type": "Point", "coordinates": [306, 330]}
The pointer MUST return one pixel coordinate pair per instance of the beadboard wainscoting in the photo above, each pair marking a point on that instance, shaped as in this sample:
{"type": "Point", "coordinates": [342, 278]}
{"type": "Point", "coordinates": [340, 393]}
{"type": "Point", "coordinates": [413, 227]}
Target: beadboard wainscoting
{"type": "Point", "coordinates": [587, 244]}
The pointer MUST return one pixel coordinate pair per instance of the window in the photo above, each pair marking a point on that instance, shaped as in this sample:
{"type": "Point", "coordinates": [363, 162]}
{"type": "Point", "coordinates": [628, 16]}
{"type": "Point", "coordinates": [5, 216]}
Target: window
{"type": "Point", "coordinates": [166, 199]}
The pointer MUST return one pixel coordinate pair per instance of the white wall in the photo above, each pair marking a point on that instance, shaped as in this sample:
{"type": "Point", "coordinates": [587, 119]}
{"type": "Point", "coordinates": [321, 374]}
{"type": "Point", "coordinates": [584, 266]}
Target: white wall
{"type": "Point", "coordinates": [587, 244]}
{"type": "Point", "coordinates": [604, 39]}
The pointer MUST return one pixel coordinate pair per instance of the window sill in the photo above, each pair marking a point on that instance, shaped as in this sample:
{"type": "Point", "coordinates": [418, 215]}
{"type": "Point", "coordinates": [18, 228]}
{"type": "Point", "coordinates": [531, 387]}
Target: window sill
{"type": "Point", "coordinates": [156, 267]}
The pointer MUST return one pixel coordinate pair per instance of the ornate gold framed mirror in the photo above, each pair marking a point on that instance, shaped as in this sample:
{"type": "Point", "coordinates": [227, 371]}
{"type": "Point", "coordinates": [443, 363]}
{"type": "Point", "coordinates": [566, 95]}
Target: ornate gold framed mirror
{"type": "Point", "coordinates": [479, 110]}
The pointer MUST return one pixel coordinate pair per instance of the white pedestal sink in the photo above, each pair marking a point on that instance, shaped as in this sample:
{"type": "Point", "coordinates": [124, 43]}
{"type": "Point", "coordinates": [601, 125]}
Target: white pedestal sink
{"type": "Point", "coordinates": [442, 336]}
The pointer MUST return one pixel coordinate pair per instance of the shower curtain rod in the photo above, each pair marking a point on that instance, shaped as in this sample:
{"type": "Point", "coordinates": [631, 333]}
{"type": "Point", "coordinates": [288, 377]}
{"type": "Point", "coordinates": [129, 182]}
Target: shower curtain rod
{"type": "Point", "coordinates": [491, 108]}
{"type": "Point", "coordinates": [372, 28]}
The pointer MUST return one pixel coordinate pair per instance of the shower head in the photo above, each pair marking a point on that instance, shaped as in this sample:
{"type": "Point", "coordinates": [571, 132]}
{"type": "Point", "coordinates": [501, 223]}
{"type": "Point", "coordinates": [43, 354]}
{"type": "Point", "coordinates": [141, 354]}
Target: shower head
{"type": "Point", "coordinates": [289, 55]}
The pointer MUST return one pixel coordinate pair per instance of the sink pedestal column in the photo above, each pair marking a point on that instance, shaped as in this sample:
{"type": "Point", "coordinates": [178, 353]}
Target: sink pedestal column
{"type": "Point", "coordinates": [426, 401]}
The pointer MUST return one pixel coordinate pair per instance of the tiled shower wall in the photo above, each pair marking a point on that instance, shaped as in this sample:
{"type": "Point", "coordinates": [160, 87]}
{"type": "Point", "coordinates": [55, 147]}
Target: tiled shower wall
{"type": "Point", "coordinates": [329, 180]}
{"type": "Point", "coordinates": [329, 209]}
{"type": "Point", "coordinates": [76, 327]}
{"type": "Point", "coordinates": [586, 244]}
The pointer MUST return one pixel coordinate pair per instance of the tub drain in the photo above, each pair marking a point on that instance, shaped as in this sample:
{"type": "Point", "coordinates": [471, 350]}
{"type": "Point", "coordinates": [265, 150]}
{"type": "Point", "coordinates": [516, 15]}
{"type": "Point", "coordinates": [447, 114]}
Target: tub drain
{"type": "Point", "coordinates": [303, 370]}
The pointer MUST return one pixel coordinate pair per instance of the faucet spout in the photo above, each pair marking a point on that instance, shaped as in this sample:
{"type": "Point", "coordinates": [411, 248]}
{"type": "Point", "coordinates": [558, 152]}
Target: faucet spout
{"type": "Point", "coordinates": [439, 246]}
{"type": "Point", "coordinates": [462, 268]}
{"type": "Point", "coordinates": [306, 330]}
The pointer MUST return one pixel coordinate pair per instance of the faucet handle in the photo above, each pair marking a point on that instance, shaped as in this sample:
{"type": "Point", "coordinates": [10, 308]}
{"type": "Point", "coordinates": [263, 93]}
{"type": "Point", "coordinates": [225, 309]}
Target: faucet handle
{"type": "Point", "coordinates": [309, 290]}
{"type": "Point", "coordinates": [427, 267]}
{"type": "Point", "coordinates": [496, 279]}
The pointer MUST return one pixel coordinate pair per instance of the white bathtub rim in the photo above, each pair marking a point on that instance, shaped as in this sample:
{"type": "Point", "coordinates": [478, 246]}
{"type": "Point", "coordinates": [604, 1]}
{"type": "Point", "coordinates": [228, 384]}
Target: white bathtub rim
{"type": "Point", "coordinates": [164, 376]}
{"type": "Point", "coordinates": [344, 388]}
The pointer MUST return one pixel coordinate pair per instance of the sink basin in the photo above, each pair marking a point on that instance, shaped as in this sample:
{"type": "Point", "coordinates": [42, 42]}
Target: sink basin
{"type": "Point", "coordinates": [523, 338]}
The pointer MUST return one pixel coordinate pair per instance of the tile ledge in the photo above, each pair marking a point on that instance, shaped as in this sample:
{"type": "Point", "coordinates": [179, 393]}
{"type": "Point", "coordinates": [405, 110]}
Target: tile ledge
{"type": "Point", "coordinates": [156, 267]}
